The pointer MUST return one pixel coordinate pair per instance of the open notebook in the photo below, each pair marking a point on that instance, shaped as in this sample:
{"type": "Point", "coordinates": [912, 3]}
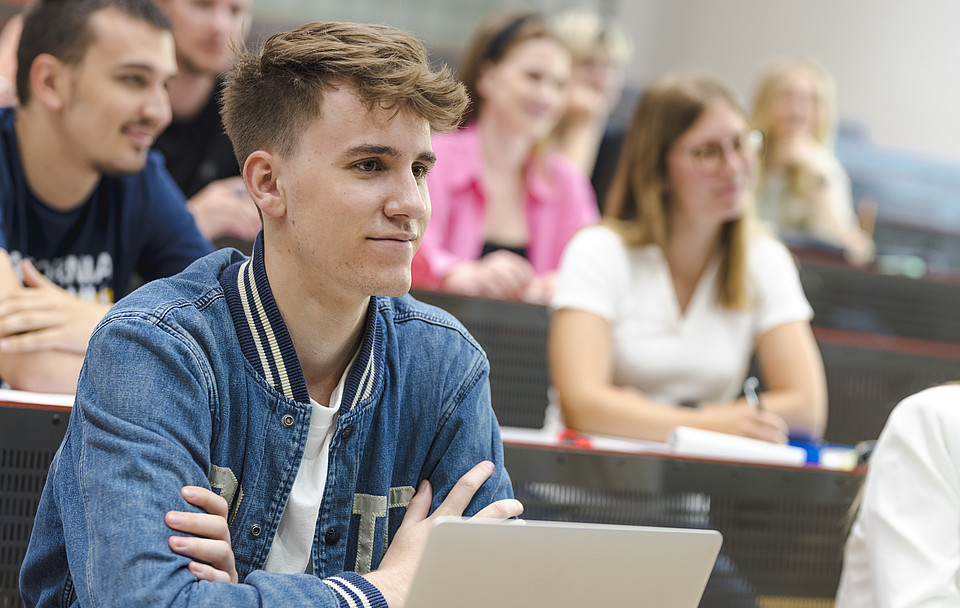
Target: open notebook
{"type": "Point", "coordinates": [483, 563]}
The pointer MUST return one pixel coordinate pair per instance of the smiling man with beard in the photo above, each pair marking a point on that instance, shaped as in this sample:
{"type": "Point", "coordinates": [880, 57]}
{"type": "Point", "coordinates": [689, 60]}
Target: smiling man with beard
{"type": "Point", "coordinates": [84, 204]}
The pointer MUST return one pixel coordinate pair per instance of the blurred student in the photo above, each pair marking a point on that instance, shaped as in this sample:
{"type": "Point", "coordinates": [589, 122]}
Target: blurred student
{"type": "Point", "coordinates": [600, 50]}
{"type": "Point", "coordinates": [197, 150]}
{"type": "Point", "coordinates": [84, 204]}
{"type": "Point", "coordinates": [503, 207]}
{"type": "Point", "coordinates": [904, 547]}
{"type": "Point", "coordinates": [802, 186]}
{"type": "Point", "coordinates": [663, 304]}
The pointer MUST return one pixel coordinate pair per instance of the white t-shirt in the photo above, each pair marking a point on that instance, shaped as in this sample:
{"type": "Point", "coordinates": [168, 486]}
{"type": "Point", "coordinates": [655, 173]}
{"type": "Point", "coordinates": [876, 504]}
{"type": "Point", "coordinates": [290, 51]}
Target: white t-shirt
{"type": "Point", "coordinates": [701, 355]}
{"type": "Point", "coordinates": [904, 548]}
{"type": "Point", "coordinates": [292, 547]}
{"type": "Point", "coordinates": [828, 213]}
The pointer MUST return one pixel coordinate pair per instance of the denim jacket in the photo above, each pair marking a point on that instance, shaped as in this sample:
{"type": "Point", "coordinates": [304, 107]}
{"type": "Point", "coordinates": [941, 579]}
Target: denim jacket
{"type": "Point", "coordinates": [193, 380]}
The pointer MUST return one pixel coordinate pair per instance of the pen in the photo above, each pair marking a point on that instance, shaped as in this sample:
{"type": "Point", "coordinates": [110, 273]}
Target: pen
{"type": "Point", "coordinates": [750, 386]}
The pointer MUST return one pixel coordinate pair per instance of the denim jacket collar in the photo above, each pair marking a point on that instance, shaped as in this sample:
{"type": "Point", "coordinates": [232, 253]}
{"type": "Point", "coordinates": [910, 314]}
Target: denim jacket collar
{"type": "Point", "coordinates": [267, 346]}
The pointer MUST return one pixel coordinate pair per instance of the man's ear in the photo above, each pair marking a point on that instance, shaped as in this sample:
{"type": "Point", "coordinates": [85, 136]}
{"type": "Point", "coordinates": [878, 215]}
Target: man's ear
{"type": "Point", "coordinates": [262, 180]}
{"type": "Point", "coordinates": [49, 81]}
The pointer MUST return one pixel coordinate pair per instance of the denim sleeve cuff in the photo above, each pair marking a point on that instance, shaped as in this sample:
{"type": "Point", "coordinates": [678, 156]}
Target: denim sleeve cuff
{"type": "Point", "coordinates": [352, 589]}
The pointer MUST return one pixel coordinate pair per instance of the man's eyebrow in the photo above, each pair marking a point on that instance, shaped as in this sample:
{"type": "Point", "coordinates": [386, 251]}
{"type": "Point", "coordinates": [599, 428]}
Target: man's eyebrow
{"type": "Point", "coordinates": [142, 67]}
{"type": "Point", "coordinates": [372, 150]}
{"type": "Point", "coordinates": [376, 150]}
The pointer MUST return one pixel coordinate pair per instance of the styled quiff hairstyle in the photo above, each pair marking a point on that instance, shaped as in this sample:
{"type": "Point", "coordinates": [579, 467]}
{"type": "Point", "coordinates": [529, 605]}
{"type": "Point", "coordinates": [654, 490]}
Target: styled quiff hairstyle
{"type": "Point", "coordinates": [62, 28]}
{"type": "Point", "coordinates": [638, 203]}
{"type": "Point", "coordinates": [492, 41]}
{"type": "Point", "coordinates": [270, 96]}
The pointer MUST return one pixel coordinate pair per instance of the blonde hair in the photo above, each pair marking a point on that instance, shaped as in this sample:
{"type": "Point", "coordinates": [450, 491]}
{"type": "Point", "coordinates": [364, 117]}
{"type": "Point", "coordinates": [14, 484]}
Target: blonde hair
{"type": "Point", "coordinates": [800, 180]}
{"type": "Point", "coordinates": [491, 42]}
{"type": "Point", "coordinates": [269, 96]}
{"type": "Point", "coordinates": [638, 206]}
{"type": "Point", "coordinates": [772, 80]}
{"type": "Point", "coordinates": [584, 32]}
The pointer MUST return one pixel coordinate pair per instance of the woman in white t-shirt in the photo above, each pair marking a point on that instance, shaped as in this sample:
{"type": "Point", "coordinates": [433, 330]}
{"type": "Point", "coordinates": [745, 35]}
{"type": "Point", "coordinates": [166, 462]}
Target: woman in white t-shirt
{"type": "Point", "coordinates": [664, 303]}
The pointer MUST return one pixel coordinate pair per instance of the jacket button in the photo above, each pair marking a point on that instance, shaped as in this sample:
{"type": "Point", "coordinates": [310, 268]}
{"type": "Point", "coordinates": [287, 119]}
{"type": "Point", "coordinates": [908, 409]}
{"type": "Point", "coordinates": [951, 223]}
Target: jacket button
{"type": "Point", "coordinates": [332, 536]}
{"type": "Point", "coordinates": [255, 530]}
{"type": "Point", "coordinates": [347, 432]}
{"type": "Point", "coordinates": [287, 421]}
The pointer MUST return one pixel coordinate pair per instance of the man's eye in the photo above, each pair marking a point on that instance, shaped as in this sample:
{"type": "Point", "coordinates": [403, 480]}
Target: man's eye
{"type": "Point", "coordinates": [134, 80]}
{"type": "Point", "coordinates": [367, 166]}
{"type": "Point", "coordinates": [420, 171]}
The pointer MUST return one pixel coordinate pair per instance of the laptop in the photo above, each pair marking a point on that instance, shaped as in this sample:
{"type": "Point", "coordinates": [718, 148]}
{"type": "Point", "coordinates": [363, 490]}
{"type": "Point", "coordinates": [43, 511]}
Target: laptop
{"type": "Point", "coordinates": [482, 563]}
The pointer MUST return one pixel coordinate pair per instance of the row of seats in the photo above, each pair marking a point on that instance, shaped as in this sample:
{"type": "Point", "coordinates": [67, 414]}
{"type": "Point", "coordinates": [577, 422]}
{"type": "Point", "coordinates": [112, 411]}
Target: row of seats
{"type": "Point", "coordinates": [867, 373]}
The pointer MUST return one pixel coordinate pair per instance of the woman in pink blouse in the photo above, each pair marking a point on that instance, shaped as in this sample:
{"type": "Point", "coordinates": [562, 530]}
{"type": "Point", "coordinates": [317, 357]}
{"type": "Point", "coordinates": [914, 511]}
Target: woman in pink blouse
{"type": "Point", "coordinates": [503, 209]}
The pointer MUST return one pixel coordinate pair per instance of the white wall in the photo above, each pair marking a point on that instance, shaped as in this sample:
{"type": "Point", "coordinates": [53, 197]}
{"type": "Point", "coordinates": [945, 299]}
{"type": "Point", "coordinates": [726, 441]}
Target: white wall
{"type": "Point", "coordinates": [897, 63]}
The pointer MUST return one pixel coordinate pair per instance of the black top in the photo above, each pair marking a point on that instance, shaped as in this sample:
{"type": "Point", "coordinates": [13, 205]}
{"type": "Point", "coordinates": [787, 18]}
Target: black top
{"type": "Point", "coordinates": [489, 247]}
{"type": "Point", "coordinates": [197, 150]}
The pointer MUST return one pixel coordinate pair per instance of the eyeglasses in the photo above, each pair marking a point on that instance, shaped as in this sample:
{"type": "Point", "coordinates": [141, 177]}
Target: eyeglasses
{"type": "Point", "coordinates": [711, 156]}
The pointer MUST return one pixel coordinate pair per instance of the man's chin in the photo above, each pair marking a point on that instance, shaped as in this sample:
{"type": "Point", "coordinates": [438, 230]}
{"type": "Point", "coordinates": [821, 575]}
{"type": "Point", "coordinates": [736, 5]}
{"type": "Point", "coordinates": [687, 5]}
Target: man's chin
{"type": "Point", "coordinates": [125, 167]}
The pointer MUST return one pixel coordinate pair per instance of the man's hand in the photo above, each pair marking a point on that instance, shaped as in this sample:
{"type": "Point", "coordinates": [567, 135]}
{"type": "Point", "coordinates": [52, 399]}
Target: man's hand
{"type": "Point", "coordinates": [223, 208]}
{"type": "Point", "coordinates": [210, 547]}
{"type": "Point", "coordinates": [395, 574]}
{"type": "Point", "coordinates": [44, 317]}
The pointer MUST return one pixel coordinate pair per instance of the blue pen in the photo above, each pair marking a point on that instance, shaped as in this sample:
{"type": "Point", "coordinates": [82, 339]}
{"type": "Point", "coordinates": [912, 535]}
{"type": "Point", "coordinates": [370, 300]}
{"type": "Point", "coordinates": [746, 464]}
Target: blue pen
{"type": "Point", "coordinates": [750, 386]}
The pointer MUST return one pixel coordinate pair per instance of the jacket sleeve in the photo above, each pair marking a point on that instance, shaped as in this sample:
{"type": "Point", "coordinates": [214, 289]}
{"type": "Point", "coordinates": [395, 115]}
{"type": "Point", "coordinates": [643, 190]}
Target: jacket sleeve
{"type": "Point", "coordinates": [468, 433]}
{"type": "Point", "coordinates": [141, 429]}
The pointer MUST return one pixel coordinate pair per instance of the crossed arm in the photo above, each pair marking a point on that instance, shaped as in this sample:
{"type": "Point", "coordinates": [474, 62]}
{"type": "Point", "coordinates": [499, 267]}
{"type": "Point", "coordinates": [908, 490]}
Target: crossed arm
{"type": "Point", "coordinates": [43, 330]}
{"type": "Point", "coordinates": [213, 560]}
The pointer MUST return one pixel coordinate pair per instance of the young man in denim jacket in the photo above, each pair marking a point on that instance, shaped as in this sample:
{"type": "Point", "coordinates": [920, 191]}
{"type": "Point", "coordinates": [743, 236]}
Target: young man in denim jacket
{"type": "Point", "coordinates": [330, 419]}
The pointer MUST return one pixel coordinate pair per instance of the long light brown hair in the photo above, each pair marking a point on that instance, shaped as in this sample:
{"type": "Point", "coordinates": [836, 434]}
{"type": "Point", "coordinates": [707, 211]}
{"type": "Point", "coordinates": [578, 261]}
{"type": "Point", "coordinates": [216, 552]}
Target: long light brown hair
{"type": "Point", "coordinates": [638, 206]}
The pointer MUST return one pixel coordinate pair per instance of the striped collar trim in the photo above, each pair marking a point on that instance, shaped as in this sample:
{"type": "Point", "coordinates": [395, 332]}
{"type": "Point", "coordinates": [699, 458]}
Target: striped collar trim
{"type": "Point", "coordinates": [267, 346]}
{"type": "Point", "coordinates": [261, 331]}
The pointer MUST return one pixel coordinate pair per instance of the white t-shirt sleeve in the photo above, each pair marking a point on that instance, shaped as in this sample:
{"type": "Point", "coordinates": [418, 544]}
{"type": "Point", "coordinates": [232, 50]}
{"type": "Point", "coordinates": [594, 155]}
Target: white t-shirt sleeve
{"type": "Point", "coordinates": [776, 281]}
{"type": "Point", "coordinates": [594, 273]}
{"type": "Point", "coordinates": [904, 549]}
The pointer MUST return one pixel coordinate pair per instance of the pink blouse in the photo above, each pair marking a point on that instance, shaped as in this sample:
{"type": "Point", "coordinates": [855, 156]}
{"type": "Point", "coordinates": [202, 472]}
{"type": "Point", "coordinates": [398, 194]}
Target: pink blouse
{"type": "Point", "coordinates": [560, 201]}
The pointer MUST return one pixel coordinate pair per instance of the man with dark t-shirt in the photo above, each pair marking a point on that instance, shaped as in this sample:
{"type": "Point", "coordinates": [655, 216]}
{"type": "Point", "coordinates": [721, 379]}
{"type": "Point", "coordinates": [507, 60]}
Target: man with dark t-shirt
{"type": "Point", "coordinates": [198, 152]}
{"type": "Point", "coordinates": [84, 204]}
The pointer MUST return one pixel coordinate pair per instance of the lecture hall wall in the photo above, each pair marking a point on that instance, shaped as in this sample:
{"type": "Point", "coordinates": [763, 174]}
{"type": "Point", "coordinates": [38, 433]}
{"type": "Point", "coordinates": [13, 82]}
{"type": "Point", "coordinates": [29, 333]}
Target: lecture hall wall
{"type": "Point", "coordinates": [897, 63]}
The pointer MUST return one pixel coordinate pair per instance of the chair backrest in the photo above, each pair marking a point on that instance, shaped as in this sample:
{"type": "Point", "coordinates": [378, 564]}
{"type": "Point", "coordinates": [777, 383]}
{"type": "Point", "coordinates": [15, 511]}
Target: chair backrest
{"type": "Point", "coordinates": [514, 337]}
{"type": "Point", "coordinates": [29, 438]}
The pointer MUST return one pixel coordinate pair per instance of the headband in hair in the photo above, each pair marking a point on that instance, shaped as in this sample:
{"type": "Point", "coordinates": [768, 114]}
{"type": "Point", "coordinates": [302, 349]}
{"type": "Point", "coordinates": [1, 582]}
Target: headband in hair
{"type": "Point", "coordinates": [502, 39]}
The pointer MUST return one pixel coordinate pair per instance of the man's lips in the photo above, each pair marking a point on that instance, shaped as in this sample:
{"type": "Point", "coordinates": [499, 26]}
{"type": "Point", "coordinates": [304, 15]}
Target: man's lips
{"type": "Point", "coordinates": [400, 238]}
{"type": "Point", "coordinates": [140, 135]}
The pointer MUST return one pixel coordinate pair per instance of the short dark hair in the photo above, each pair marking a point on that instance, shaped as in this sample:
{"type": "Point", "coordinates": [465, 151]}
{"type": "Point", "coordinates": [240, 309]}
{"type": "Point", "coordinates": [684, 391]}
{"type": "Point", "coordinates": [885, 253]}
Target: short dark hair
{"type": "Point", "coordinates": [270, 95]}
{"type": "Point", "coordinates": [62, 28]}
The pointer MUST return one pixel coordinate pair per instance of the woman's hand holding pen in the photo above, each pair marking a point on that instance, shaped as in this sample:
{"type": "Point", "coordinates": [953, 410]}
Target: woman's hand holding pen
{"type": "Point", "coordinates": [742, 418]}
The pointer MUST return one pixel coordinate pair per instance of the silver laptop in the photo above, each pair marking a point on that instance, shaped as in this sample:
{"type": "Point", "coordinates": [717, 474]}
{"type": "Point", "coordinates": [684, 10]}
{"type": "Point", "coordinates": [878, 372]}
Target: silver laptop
{"type": "Point", "coordinates": [483, 563]}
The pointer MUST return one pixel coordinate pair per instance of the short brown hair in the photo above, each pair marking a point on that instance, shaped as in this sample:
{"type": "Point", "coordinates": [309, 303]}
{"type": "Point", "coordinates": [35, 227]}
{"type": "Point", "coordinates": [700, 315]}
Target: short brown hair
{"type": "Point", "coordinates": [269, 96]}
{"type": "Point", "coordinates": [491, 42]}
{"type": "Point", "coordinates": [62, 28]}
{"type": "Point", "coordinates": [637, 206]}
